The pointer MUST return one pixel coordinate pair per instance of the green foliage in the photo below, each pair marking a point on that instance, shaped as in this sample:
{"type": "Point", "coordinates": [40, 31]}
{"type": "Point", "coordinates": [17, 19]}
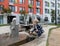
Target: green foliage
{"type": "Point", "coordinates": [30, 6]}
{"type": "Point", "coordinates": [52, 15]}
{"type": "Point", "coordinates": [52, 12]}
{"type": "Point", "coordinates": [59, 14]}
{"type": "Point", "coordinates": [53, 18]}
{"type": "Point", "coordinates": [48, 4]}
{"type": "Point", "coordinates": [6, 10]}
{"type": "Point", "coordinates": [9, 10]}
{"type": "Point", "coordinates": [23, 12]}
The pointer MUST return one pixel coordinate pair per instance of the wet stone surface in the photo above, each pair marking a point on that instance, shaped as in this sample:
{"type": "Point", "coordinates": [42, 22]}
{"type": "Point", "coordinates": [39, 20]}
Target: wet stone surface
{"type": "Point", "coordinates": [6, 40]}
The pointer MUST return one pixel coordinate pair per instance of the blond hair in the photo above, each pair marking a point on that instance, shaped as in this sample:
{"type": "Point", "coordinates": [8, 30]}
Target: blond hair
{"type": "Point", "coordinates": [35, 21]}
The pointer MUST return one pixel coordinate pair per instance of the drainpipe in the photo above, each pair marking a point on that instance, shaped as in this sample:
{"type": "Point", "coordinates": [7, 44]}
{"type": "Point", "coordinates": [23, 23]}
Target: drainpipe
{"type": "Point", "coordinates": [55, 12]}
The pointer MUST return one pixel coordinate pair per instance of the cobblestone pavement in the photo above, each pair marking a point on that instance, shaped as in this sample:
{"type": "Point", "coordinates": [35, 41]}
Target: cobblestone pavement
{"type": "Point", "coordinates": [41, 41]}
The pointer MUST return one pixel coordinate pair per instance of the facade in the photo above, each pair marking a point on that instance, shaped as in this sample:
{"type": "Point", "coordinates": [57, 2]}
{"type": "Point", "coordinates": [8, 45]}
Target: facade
{"type": "Point", "coordinates": [48, 7]}
{"type": "Point", "coordinates": [32, 7]}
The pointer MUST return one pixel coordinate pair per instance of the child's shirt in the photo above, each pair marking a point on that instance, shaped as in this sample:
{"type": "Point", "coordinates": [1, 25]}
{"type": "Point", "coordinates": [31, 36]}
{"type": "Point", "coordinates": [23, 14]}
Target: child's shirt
{"type": "Point", "coordinates": [39, 28]}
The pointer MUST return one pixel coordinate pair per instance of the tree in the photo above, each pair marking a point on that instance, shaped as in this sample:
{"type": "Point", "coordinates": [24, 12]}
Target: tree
{"type": "Point", "coordinates": [52, 15]}
{"type": "Point", "coordinates": [23, 12]}
{"type": "Point", "coordinates": [30, 5]}
{"type": "Point", "coordinates": [25, 15]}
{"type": "Point", "coordinates": [6, 10]}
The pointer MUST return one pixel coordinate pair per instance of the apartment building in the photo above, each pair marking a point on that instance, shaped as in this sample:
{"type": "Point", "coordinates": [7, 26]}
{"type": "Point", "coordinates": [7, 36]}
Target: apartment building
{"type": "Point", "coordinates": [32, 7]}
{"type": "Point", "coordinates": [48, 6]}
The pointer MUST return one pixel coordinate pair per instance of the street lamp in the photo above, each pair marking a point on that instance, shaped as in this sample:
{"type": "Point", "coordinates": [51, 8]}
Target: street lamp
{"type": "Point", "coordinates": [55, 12]}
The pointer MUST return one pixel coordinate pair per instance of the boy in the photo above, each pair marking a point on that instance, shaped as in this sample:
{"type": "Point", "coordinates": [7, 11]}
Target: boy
{"type": "Point", "coordinates": [37, 29]}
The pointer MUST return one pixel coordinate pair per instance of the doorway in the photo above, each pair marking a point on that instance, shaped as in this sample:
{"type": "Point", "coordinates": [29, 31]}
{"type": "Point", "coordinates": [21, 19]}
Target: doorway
{"type": "Point", "coordinates": [9, 19]}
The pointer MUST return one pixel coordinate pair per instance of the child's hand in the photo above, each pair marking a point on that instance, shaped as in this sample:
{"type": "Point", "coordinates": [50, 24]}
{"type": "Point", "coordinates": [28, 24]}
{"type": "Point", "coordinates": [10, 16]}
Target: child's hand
{"type": "Point", "coordinates": [36, 30]}
{"type": "Point", "coordinates": [34, 33]}
{"type": "Point", "coordinates": [30, 33]}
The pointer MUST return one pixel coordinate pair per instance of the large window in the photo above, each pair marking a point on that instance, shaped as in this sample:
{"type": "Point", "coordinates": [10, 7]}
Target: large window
{"type": "Point", "coordinates": [1, 0]}
{"type": "Point", "coordinates": [37, 10]}
{"type": "Point", "coordinates": [22, 8]}
{"type": "Point", "coordinates": [37, 3]}
{"type": "Point", "coordinates": [31, 2]}
{"type": "Point", "coordinates": [52, 4]}
{"type": "Point", "coordinates": [58, 5]}
{"type": "Point", "coordinates": [21, 19]}
{"type": "Point", "coordinates": [12, 1]}
{"type": "Point", "coordinates": [47, 11]}
{"type": "Point", "coordinates": [53, 0]}
{"type": "Point", "coordinates": [31, 10]}
{"type": "Point", "coordinates": [58, 0]}
{"type": "Point", "coordinates": [1, 19]}
{"type": "Point", "coordinates": [46, 3]}
{"type": "Point", "coordinates": [1, 6]}
{"type": "Point", "coordinates": [58, 11]}
{"type": "Point", "coordinates": [21, 1]}
{"type": "Point", "coordinates": [12, 8]}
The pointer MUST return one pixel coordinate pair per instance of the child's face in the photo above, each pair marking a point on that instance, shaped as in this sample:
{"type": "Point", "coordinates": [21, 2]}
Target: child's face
{"type": "Point", "coordinates": [34, 23]}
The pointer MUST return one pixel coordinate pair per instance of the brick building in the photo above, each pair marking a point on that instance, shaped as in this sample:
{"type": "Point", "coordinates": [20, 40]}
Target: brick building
{"type": "Point", "coordinates": [32, 7]}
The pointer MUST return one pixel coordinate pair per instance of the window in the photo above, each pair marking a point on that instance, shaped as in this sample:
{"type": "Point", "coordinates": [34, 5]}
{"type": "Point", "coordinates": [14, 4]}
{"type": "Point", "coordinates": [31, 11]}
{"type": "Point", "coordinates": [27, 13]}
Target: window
{"type": "Point", "coordinates": [46, 3]}
{"type": "Point", "coordinates": [46, 19]}
{"type": "Point", "coordinates": [1, 19]}
{"type": "Point", "coordinates": [21, 1]}
{"type": "Point", "coordinates": [1, 6]}
{"type": "Point", "coordinates": [37, 10]}
{"type": "Point", "coordinates": [47, 11]}
{"type": "Point", "coordinates": [53, 0]}
{"type": "Point", "coordinates": [58, 5]}
{"type": "Point", "coordinates": [12, 1]}
{"type": "Point", "coordinates": [52, 4]}
{"type": "Point", "coordinates": [22, 8]}
{"type": "Point", "coordinates": [30, 9]}
{"type": "Point", "coordinates": [31, 2]}
{"type": "Point", "coordinates": [58, 0]}
{"type": "Point", "coordinates": [58, 11]}
{"type": "Point", "coordinates": [12, 8]}
{"type": "Point", "coordinates": [37, 3]}
{"type": "Point", "coordinates": [1, 0]}
{"type": "Point", "coordinates": [21, 19]}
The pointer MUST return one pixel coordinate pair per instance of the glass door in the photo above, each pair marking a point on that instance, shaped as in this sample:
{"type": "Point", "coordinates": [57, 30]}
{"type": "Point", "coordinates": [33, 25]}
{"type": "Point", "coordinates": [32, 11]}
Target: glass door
{"type": "Point", "coordinates": [1, 19]}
